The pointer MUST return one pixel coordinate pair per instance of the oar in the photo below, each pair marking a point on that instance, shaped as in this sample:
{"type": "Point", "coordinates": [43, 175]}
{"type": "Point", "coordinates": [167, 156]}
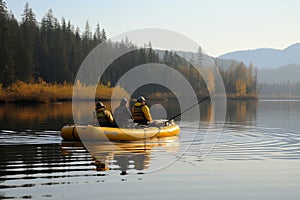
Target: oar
{"type": "Point", "coordinates": [201, 100]}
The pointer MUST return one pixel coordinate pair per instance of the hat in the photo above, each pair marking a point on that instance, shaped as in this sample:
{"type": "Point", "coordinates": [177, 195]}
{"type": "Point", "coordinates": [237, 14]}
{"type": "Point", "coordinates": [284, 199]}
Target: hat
{"type": "Point", "coordinates": [100, 105]}
{"type": "Point", "coordinates": [124, 101]}
{"type": "Point", "coordinates": [141, 99]}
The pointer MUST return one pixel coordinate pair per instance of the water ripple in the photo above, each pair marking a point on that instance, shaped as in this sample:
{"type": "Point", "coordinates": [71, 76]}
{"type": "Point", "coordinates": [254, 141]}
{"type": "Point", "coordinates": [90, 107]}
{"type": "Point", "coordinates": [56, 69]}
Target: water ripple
{"type": "Point", "coordinates": [249, 142]}
{"type": "Point", "coordinates": [33, 159]}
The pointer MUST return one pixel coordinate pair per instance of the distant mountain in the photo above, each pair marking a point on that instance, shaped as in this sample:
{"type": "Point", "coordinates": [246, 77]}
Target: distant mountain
{"type": "Point", "coordinates": [276, 66]}
{"type": "Point", "coordinates": [266, 58]}
{"type": "Point", "coordinates": [279, 75]}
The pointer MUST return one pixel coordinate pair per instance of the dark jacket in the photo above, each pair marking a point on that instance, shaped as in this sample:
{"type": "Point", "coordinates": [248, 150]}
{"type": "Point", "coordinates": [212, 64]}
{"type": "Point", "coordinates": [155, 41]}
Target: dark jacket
{"type": "Point", "coordinates": [122, 115]}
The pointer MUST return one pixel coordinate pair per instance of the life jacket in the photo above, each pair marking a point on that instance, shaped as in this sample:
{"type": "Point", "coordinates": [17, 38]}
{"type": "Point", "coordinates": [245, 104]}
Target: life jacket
{"type": "Point", "coordinates": [138, 115]}
{"type": "Point", "coordinates": [102, 117]}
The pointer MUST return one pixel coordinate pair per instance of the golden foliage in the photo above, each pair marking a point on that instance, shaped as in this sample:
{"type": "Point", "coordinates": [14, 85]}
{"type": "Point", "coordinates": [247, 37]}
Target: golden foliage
{"type": "Point", "coordinates": [45, 92]}
{"type": "Point", "coordinates": [100, 91]}
{"type": "Point", "coordinates": [240, 87]}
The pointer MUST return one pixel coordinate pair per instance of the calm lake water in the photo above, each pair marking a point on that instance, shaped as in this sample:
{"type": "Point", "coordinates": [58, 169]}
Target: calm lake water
{"type": "Point", "coordinates": [256, 156]}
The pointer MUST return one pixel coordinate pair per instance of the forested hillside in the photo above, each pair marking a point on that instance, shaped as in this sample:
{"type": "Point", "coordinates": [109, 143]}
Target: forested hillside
{"type": "Point", "coordinates": [51, 51]}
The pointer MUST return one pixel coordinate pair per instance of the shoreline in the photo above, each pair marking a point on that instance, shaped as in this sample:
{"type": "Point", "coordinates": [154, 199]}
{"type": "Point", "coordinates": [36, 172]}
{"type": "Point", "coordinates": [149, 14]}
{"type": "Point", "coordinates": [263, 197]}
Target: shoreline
{"type": "Point", "coordinates": [28, 101]}
{"type": "Point", "coordinates": [279, 98]}
{"type": "Point", "coordinates": [61, 100]}
{"type": "Point", "coordinates": [21, 92]}
{"type": "Point", "coordinates": [30, 93]}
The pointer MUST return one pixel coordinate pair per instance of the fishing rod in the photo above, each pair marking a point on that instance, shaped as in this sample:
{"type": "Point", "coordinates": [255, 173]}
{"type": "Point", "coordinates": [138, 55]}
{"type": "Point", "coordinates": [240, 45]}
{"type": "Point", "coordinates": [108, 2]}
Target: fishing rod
{"type": "Point", "coordinates": [201, 100]}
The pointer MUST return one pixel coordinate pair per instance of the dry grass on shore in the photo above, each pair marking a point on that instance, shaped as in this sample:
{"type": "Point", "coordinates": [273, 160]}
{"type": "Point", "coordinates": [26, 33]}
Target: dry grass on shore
{"type": "Point", "coordinates": [46, 92]}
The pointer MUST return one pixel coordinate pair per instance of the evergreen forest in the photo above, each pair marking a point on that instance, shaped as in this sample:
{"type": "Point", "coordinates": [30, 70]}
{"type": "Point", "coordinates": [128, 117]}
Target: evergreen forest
{"type": "Point", "coordinates": [51, 51]}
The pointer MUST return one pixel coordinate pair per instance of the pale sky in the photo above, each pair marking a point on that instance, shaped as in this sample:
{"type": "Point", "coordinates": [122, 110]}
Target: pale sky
{"type": "Point", "coordinates": [218, 26]}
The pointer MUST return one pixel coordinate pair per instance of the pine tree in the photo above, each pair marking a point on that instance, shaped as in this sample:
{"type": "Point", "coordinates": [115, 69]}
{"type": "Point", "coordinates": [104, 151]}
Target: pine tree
{"type": "Point", "coordinates": [7, 64]}
{"type": "Point", "coordinates": [103, 35]}
{"type": "Point", "coordinates": [97, 34]}
{"type": "Point", "coordinates": [27, 56]}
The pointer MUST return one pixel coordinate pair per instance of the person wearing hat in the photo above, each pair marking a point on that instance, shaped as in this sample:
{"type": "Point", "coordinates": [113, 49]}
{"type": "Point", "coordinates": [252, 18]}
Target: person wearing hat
{"type": "Point", "coordinates": [141, 112]}
{"type": "Point", "coordinates": [104, 116]}
{"type": "Point", "coordinates": [122, 114]}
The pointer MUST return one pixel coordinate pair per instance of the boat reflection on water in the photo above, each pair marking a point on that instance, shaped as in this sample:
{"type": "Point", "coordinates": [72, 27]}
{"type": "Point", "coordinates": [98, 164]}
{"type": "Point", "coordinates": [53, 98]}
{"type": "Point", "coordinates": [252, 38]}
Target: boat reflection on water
{"type": "Point", "coordinates": [33, 165]}
{"type": "Point", "coordinates": [127, 157]}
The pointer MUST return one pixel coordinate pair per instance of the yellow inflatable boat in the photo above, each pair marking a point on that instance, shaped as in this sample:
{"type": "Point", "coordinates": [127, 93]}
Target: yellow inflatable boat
{"type": "Point", "coordinates": [89, 132]}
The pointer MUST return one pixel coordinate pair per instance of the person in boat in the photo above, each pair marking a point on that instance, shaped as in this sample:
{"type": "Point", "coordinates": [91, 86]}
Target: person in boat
{"type": "Point", "coordinates": [104, 116]}
{"type": "Point", "coordinates": [122, 114]}
{"type": "Point", "coordinates": [141, 112]}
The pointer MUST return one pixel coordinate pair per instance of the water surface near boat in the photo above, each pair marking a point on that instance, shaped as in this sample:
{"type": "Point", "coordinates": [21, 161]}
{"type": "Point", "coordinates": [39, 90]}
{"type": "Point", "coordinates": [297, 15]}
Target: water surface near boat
{"type": "Point", "coordinates": [256, 156]}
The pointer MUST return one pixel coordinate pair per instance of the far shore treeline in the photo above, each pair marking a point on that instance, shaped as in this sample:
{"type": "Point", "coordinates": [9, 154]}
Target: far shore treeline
{"type": "Point", "coordinates": [44, 57]}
